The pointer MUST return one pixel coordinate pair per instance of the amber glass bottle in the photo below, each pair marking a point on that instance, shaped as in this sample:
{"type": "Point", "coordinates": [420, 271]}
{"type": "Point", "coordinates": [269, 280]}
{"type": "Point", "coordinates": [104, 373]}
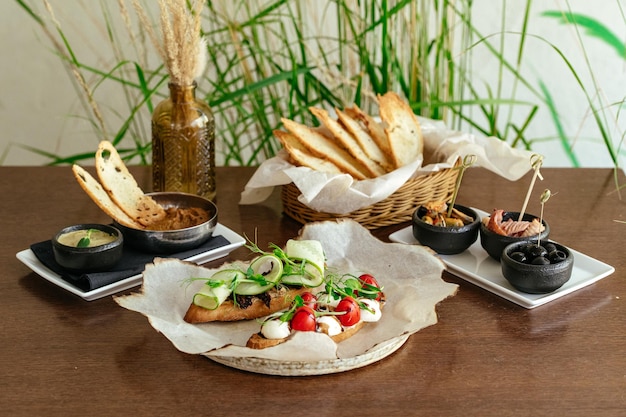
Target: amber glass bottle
{"type": "Point", "coordinates": [183, 144]}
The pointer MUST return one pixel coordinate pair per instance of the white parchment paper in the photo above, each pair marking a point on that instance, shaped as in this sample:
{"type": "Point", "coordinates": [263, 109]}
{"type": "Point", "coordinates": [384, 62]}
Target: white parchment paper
{"type": "Point", "coordinates": [410, 276]}
{"type": "Point", "coordinates": [341, 194]}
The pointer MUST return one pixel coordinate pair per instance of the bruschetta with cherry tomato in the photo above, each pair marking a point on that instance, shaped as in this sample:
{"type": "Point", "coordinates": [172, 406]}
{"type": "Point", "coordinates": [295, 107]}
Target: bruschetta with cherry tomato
{"type": "Point", "coordinates": [345, 305]}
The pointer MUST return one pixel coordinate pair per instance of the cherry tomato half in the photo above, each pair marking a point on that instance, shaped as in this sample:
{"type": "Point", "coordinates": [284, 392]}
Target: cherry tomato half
{"type": "Point", "coordinates": [369, 279]}
{"type": "Point", "coordinates": [369, 283]}
{"type": "Point", "coordinates": [310, 300]}
{"type": "Point", "coordinates": [303, 319]}
{"type": "Point", "coordinates": [352, 311]}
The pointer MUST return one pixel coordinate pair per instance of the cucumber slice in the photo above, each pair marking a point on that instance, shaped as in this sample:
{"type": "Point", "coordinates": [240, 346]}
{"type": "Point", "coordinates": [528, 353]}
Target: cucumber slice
{"type": "Point", "coordinates": [311, 250]}
{"type": "Point", "coordinates": [213, 293]}
{"type": "Point", "coordinates": [312, 277]}
{"type": "Point", "coordinates": [228, 276]}
{"type": "Point", "coordinates": [269, 268]}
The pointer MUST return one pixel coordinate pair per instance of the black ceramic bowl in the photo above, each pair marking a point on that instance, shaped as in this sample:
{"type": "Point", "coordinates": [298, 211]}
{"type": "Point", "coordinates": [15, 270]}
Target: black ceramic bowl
{"type": "Point", "coordinates": [172, 241]}
{"type": "Point", "coordinates": [536, 278]}
{"type": "Point", "coordinates": [495, 243]}
{"type": "Point", "coordinates": [446, 240]}
{"type": "Point", "coordinates": [91, 258]}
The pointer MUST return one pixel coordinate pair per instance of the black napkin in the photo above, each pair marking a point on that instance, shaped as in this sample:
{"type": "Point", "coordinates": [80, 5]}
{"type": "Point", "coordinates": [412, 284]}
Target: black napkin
{"type": "Point", "coordinates": [132, 263]}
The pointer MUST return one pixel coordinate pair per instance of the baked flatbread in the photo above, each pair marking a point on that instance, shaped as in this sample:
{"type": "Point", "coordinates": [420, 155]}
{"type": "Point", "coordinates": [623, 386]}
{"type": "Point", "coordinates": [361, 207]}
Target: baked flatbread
{"type": "Point", "coordinates": [402, 130]}
{"type": "Point", "coordinates": [118, 182]}
{"type": "Point", "coordinates": [99, 196]}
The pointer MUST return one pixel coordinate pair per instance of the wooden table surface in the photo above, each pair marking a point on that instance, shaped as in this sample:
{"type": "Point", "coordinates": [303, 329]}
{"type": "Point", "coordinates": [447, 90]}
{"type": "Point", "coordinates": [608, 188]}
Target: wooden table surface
{"type": "Point", "coordinates": [61, 355]}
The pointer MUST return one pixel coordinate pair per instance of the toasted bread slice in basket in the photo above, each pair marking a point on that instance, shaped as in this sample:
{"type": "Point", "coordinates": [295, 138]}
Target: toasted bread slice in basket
{"type": "Point", "coordinates": [365, 140]}
{"type": "Point", "coordinates": [375, 129]}
{"type": "Point", "coordinates": [403, 129]}
{"type": "Point", "coordinates": [301, 155]}
{"type": "Point", "coordinates": [324, 147]}
{"type": "Point", "coordinates": [348, 142]}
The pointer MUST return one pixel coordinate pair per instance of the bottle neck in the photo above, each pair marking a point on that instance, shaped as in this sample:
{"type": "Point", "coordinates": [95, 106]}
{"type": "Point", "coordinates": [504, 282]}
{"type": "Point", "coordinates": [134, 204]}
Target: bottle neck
{"type": "Point", "coordinates": [182, 93]}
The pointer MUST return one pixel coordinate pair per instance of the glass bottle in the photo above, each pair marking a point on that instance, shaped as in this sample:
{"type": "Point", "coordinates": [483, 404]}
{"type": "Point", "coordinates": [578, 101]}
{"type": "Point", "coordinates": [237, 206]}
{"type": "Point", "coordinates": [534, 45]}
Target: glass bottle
{"type": "Point", "coordinates": [183, 144]}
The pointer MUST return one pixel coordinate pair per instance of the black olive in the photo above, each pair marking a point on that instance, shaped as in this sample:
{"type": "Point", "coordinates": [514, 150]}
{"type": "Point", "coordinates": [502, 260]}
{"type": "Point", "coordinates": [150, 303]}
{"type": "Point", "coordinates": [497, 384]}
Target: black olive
{"type": "Point", "coordinates": [557, 256]}
{"type": "Point", "coordinates": [537, 251]}
{"type": "Point", "coordinates": [540, 260]}
{"type": "Point", "coordinates": [550, 247]}
{"type": "Point", "coordinates": [526, 247]}
{"type": "Point", "coordinates": [518, 256]}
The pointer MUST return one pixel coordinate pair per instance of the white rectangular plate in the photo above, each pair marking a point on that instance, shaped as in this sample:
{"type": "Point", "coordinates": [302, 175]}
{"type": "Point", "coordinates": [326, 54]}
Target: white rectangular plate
{"type": "Point", "coordinates": [476, 266]}
{"type": "Point", "coordinates": [30, 260]}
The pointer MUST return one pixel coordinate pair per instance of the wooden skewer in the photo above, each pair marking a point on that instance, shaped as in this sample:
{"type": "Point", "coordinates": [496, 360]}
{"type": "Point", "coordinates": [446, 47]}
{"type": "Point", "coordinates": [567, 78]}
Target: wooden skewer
{"type": "Point", "coordinates": [536, 161]}
{"type": "Point", "coordinates": [468, 161]}
{"type": "Point", "coordinates": [545, 196]}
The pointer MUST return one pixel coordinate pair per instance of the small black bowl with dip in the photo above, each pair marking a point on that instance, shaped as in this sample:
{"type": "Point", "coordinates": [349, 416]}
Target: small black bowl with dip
{"type": "Point", "coordinates": [88, 247]}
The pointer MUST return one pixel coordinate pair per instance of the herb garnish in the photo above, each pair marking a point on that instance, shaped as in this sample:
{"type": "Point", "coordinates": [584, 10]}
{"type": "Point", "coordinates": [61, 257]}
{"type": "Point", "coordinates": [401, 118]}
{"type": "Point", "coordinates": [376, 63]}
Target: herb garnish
{"type": "Point", "coordinates": [86, 240]}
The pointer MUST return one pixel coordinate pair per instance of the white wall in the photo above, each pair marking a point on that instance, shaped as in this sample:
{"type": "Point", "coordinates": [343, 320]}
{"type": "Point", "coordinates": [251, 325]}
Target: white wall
{"type": "Point", "coordinates": [543, 63]}
{"type": "Point", "coordinates": [38, 102]}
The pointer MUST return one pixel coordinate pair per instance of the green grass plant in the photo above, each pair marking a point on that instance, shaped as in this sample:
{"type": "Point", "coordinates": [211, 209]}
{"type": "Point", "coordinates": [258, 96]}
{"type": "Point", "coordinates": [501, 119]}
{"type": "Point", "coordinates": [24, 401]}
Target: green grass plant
{"type": "Point", "coordinates": [275, 58]}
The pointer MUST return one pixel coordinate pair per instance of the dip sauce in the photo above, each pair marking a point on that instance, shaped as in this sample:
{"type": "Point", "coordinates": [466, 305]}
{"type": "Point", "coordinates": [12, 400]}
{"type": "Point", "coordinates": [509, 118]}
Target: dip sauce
{"type": "Point", "coordinates": [96, 238]}
{"type": "Point", "coordinates": [180, 218]}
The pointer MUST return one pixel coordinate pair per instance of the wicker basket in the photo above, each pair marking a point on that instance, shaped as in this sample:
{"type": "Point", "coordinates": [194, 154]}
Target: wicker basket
{"type": "Point", "coordinates": [397, 208]}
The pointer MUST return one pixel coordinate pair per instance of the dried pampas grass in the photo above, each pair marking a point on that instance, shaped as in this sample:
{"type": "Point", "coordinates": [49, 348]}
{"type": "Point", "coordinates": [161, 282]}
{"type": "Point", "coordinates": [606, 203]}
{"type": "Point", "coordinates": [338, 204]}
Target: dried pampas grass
{"type": "Point", "coordinates": [181, 45]}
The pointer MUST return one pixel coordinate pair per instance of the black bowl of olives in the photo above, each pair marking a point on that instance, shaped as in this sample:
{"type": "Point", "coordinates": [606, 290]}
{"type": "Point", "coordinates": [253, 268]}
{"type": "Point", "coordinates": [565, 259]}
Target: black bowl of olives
{"type": "Point", "coordinates": [537, 268]}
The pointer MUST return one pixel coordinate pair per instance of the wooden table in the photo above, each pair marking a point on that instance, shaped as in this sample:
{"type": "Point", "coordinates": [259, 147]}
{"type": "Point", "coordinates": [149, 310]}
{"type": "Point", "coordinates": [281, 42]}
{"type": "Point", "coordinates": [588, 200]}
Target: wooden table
{"type": "Point", "coordinates": [61, 355]}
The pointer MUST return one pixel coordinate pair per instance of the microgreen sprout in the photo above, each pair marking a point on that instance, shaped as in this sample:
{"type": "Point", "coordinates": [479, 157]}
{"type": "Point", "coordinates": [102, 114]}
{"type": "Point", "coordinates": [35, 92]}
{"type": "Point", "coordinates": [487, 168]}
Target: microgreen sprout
{"type": "Point", "coordinates": [284, 315]}
{"type": "Point", "coordinates": [468, 161]}
{"type": "Point", "coordinates": [85, 240]}
{"type": "Point", "coordinates": [347, 285]}
{"type": "Point", "coordinates": [213, 283]}
{"type": "Point", "coordinates": [536, 161]}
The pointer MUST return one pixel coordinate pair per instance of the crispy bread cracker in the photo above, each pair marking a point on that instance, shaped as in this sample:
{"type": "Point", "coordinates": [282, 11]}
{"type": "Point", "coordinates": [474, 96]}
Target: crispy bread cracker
{"type": "Point", "coordinates": [375, 129]}
{"type": "Point", "coordinates": [123, 189]}
{"type": "Point", "coordinates": [365, 140]}
{"type": "Point", "coordinates": [348, 142]}
{"type": "Point", "coordinates": [301, 156]}
{"type": "Point", "coordinates": [323, 147]}
{"type": "Point", "coordinates": [102, 199]}
{"type": "Point", "coordinates": [403, 129]}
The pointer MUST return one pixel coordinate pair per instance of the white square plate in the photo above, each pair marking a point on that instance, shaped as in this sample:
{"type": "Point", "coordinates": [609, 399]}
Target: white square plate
{"type": "Point", "coordinates": [30, 260]}
{"type": "Point", "coordinates": [476, 266]}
